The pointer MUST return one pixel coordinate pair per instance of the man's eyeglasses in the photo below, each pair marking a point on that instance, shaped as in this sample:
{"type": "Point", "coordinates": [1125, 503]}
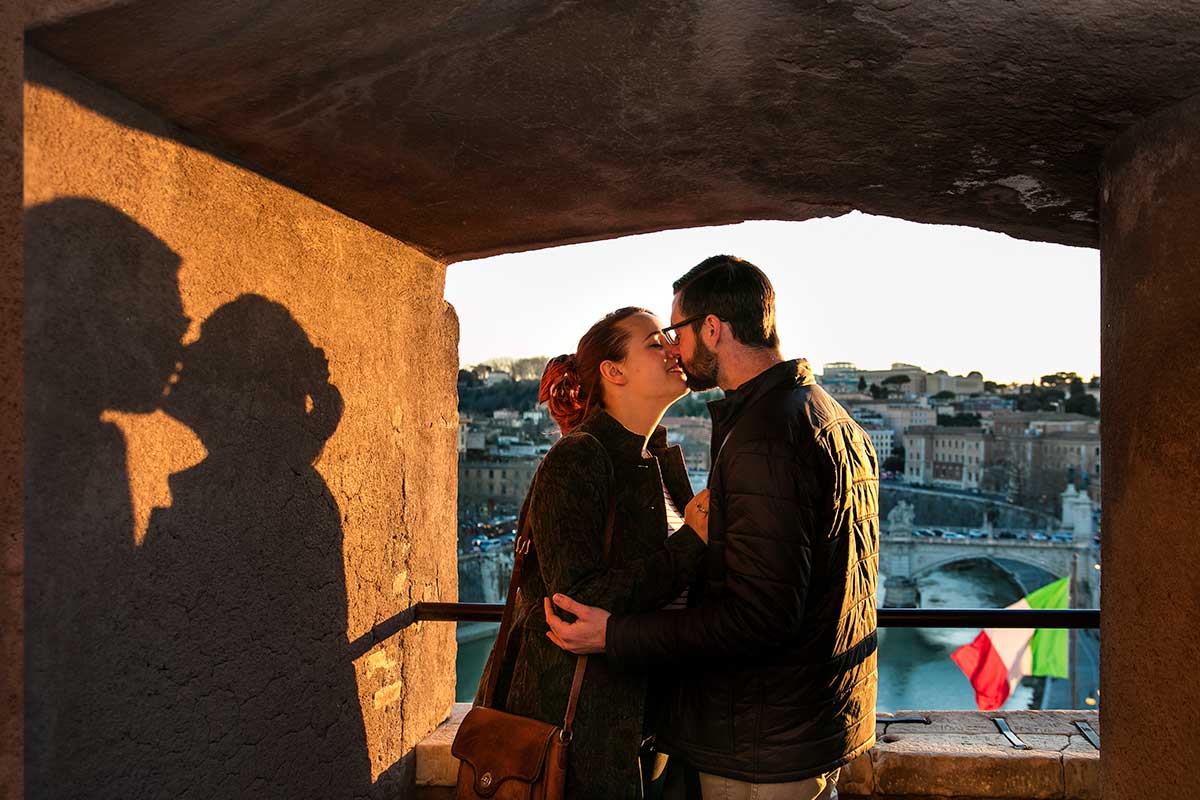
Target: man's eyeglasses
{"type": "Point", "coordinates": [671, 334]}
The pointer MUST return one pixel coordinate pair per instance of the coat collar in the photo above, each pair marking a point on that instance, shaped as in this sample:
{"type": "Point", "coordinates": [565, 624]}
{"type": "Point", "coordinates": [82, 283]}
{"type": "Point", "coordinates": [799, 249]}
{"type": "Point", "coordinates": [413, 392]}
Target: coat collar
{"type": "Point", "coordinates": [796, 372]}
{"type": "Point", "coordinates": [619, 441]}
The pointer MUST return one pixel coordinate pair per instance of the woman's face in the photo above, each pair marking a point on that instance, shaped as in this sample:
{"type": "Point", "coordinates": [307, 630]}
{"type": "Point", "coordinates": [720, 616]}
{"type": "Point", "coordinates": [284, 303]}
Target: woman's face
{"type": "Point", "coordinates": [649, 367]}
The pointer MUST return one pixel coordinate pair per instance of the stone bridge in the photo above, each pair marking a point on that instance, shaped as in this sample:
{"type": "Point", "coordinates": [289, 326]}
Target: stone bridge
{"type": "Point", "coordinates": [905, 559]}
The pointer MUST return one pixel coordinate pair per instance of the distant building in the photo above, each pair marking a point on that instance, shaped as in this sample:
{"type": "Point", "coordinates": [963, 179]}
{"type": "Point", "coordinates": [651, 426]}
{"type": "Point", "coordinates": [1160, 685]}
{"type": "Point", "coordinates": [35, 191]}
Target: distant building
{"type": "Point", "coordinates": [507, 418]}
{"type": "Point", "coordinates": [496, 376]}
{"type": "Point", "coordinates": [985, 406]}
{"type": "Point", "coordinates": [470, 438]}
{"type": "Point", "coordinates": [1027, 456]}
{"type": "Point", "coordinates": [839, 377]}
{"type": "Point", "coordinates": [694, 437]}
{"type": "Point", "coordinates": [941, 381]}
{"type": "Point", "coordinates": [1041, 422]}
{"type": "Point", "coordinates": [915, 375]}
{"type": "Point", "coordinates": [537, 416]}
{"type": "Point", "coordinates": [945, 456]}
{"type": "Point", "coordinates": [899, 417]}
{"type": "Point", "coordinates": [500, 484]}
{"type": "Point", "coordinates": [881, 439]}
{"type": "Point", "coordinates": [842, 377]}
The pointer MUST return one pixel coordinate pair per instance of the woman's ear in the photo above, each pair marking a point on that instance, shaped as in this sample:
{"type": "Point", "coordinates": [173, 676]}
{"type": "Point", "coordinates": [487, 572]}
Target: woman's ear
{"type": "Point", "coordinates": [611, 371]}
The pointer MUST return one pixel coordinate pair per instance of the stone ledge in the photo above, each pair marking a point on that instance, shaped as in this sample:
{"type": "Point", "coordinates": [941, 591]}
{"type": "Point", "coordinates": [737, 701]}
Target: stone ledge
{"type": "Point", "coordinates": [959, 754]}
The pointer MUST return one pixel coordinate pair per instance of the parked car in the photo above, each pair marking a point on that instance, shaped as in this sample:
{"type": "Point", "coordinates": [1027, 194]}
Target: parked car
{"type": "Point", "coordinates": [953, 535]}
{"type": "Point", "coordinates": [1062, 536]}
{"type": "Point", "coordinates": [1038, 536]}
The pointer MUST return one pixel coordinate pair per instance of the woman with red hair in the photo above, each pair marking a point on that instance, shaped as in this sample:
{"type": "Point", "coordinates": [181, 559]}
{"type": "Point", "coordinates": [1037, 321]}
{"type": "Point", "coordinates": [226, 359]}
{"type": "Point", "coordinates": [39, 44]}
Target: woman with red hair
{"type": "Point", "coordinates": [613, 459]}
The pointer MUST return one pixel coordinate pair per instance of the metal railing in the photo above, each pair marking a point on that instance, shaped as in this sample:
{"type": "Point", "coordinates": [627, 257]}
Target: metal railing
{"type": "Point", "coordinates": [888, 617]}
{"type": "Point", "coordinates": [1077, 618]}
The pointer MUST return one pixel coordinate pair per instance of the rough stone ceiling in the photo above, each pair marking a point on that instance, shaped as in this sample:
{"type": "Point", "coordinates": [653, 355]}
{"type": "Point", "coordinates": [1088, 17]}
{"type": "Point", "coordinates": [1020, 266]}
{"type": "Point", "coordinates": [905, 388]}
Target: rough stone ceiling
{"type": "Point", "coordinates": [474, 127]}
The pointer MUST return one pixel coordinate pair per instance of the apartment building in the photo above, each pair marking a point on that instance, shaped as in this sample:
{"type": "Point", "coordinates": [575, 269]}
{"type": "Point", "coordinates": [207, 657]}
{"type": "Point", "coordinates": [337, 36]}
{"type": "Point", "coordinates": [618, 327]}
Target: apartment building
{"type": "Point", "coordinates": [943, 456]}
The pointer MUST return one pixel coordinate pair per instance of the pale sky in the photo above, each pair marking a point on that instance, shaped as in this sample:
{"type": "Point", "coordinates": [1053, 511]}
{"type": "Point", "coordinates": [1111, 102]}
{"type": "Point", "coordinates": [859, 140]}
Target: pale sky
{"type": "Point", "coordinates": [859, 288]}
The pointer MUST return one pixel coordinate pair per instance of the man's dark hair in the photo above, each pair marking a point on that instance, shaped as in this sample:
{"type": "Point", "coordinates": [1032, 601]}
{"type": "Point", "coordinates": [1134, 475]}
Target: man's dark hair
{"type": "Point", "coordinates": [736, 291]}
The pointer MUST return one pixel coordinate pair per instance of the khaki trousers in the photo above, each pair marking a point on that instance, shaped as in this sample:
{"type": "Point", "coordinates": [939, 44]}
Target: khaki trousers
{"type": "Point", "coordinates": [822, 787]}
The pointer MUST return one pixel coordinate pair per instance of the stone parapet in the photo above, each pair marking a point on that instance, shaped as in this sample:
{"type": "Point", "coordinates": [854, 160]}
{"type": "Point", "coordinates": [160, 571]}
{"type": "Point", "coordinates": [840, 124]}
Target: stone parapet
{"type": "Point", "coordinates": [958, 754]}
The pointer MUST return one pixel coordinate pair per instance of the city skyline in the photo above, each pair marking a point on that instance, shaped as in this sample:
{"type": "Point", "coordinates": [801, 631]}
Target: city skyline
{"type": "Point", "coordinates": [886, 291]}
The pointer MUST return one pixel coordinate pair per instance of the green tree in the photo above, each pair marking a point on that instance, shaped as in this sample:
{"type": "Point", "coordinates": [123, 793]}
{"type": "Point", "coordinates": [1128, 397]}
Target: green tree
{"type": "Point", "coordinates": [958, 420]}
{"type": "Point", "coordinates": [945, 394]}
{"type": "Point", "coordinates": [862, 383]}
{"type": "Point", "coordinates": [1059, 379]}
{"type": "Point", "coordinates": [1082, 403]}
{"type": "Point", "coordinates": [518, 395]}
{"type": "Point", "coordinates": [694, 404]}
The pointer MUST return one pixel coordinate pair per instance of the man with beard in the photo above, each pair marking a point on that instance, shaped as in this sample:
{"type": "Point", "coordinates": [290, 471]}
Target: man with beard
{"type": "Point", "coordinates": [774, 658]}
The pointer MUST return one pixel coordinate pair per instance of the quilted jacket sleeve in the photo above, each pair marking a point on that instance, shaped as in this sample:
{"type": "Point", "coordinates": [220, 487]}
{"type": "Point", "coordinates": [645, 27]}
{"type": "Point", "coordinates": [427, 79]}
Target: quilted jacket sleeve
{"type": "Point", "coordinates": [768, 541]}
{"type": "Point", "coordinates": [569, 509]}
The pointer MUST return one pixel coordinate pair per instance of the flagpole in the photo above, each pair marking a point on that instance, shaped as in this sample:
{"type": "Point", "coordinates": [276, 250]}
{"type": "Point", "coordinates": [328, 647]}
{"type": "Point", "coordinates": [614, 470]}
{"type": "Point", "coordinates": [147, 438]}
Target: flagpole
{"type": "Point", "coordinates": [1072, 603]}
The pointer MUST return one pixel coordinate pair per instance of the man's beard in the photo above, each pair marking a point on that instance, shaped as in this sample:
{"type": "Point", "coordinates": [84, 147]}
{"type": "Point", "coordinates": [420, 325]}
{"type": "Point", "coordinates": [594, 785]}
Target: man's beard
{"type": "Point", "coordinates": [702, 372]}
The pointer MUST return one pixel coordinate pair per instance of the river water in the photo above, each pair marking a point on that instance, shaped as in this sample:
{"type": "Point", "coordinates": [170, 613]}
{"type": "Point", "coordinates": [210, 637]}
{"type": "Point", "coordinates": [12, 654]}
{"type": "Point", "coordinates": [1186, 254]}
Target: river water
{"type": "Point", "coordinates": [915, 670]}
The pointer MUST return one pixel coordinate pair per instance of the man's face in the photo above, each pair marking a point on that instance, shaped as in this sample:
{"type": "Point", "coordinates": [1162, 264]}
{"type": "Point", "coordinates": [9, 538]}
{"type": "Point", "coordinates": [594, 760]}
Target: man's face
{"type": "Point", "coordinates": [698, 361]}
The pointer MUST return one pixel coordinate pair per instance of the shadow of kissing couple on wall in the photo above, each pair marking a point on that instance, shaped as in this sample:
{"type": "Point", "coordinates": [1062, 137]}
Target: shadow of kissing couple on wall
{"type": "Point", "coordinates": [210, 659]}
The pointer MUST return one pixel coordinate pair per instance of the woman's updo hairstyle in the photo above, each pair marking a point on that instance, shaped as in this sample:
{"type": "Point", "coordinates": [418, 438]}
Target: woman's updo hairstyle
{"type": "Point", "coordinates": [571, 385]}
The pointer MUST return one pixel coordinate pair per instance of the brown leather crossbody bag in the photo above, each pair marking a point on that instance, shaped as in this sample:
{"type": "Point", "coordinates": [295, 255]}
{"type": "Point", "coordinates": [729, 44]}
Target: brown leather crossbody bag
{"type": "Point", "coordinates": [509, 757]}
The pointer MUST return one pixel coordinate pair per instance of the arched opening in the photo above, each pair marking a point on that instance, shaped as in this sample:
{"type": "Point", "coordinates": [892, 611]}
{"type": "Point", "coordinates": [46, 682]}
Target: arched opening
{"type": "Point", "coordinates": [852, 290]}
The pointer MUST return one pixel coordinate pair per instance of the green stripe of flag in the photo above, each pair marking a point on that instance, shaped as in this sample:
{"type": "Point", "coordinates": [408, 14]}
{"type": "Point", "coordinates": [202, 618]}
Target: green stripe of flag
{"type": "Point", "coordinates": [1049, 645]}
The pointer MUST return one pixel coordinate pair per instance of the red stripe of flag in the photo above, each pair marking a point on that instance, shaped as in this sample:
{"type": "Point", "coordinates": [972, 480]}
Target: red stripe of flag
{"type": "Point", "coordinates": [987, 672]}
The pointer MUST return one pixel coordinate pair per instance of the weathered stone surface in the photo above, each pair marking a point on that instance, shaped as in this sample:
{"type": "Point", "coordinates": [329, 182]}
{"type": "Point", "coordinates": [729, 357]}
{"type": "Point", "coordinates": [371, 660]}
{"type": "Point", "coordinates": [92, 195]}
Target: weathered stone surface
{"type": "Point", "coordinates": [941, 722]}
{"type": "Point", "coordinates": [858, 777]}
{"type": "Point", "coordinates": [1150, 264]}
{"type": "Point", "coordinates": [11, 407]}
{"type": "Point", "coordinates": [957, 764]}
{"type": "Point", "coordinates": [1081, 770]}
{"type": "Point", "coordinates": [479, 128]}
{"type": "Point", "coordinates": [1022, 722]}
{"type": "Point", "coordinates": [967, 765]}
{"type": "Point", "coordinates": [435, 764]}
{"type": "Point", "coordinates": [42, 12]}
{"type": "Point", "coordinates": [206, 557]}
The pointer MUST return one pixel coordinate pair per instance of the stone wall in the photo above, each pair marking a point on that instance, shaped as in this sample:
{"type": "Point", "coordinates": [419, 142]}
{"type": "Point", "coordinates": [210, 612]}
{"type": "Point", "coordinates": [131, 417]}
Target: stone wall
{"type": "Point", "coordinates": [11, 540]}
{"type": "Point", "coordinates": [213, 529]}
{"type": "Point", "coordinates": [1150, 336]}
{"type": "Point", "coordinates": [934, 509]}
{"type": "Point", "coordinates": [484, 577]}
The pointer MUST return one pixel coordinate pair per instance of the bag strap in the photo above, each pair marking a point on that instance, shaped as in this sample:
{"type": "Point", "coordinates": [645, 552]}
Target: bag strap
{"type": "Point", "coordinates": [500, 649]}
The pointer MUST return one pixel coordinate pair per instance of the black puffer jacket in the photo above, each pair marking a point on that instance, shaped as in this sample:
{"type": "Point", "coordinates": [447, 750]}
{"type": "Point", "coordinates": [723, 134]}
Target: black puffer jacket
{"type": "Point", "coordinates": [567, 510]}
{"type": "Point", "coordinates": [776, 658]}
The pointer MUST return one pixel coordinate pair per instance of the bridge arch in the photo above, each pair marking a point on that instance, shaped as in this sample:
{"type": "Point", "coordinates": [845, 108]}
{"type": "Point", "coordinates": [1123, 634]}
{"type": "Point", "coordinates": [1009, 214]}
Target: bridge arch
{"type": "Point", "coordinates": [928, 569]}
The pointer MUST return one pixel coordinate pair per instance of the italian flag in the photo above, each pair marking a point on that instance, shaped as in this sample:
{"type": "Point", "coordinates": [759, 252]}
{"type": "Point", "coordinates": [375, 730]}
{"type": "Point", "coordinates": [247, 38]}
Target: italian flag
{"type": "Point", "coordinates": [1000, 657]}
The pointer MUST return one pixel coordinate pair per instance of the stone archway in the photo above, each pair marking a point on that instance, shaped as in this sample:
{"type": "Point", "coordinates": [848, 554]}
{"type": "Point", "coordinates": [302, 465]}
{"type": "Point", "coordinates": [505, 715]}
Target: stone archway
{"type": "Point", "coordinates": [482, 129]}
